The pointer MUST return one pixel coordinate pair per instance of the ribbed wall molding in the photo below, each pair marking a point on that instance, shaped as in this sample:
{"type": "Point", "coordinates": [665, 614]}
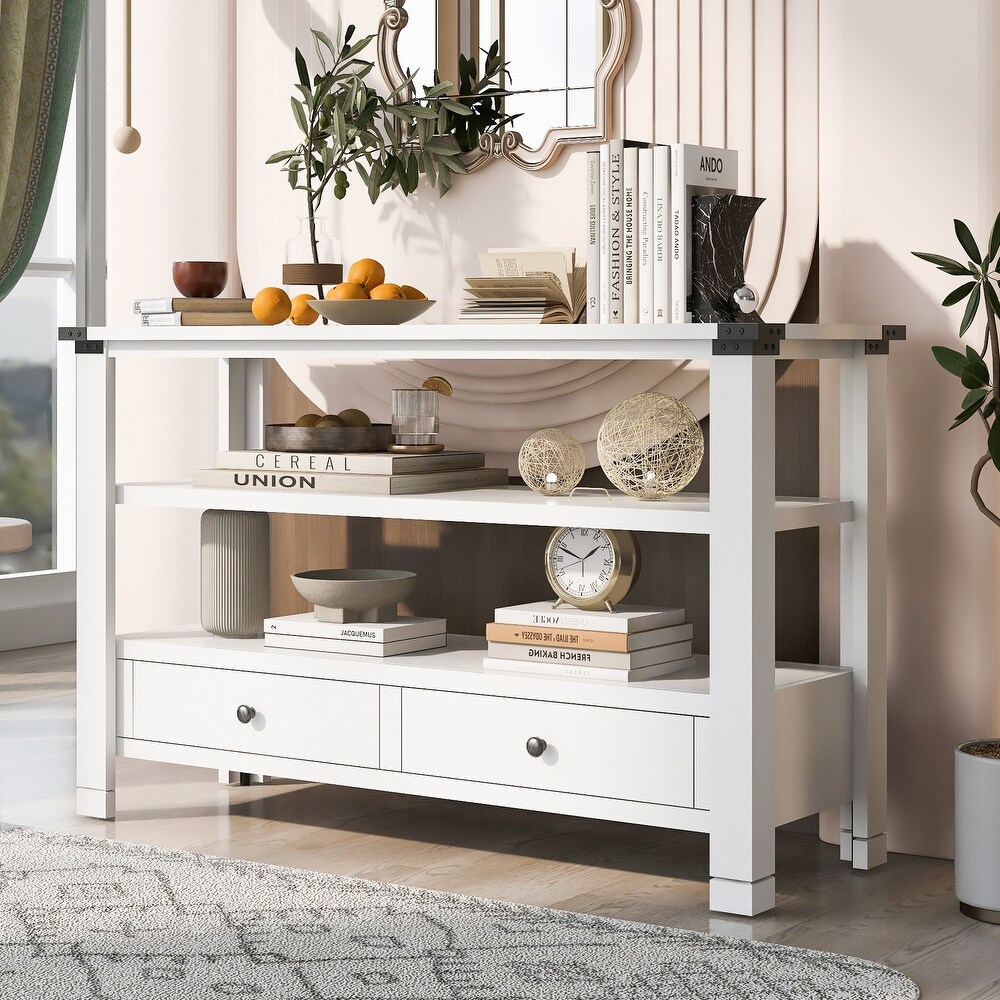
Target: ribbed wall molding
{"type": "Point", "coordinates": [235, 573]}
{"type": "Point", "coordinates": [737, 73]}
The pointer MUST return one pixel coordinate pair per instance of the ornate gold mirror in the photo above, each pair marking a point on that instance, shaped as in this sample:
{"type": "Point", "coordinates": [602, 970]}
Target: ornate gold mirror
{"type": "Point", "coordinates": [562, 57]}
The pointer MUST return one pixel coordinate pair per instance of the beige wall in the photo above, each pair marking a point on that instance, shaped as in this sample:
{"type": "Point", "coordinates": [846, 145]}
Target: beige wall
{"type": "Point", "coordinates": [910, 106]}
{"type": "Point", "coordinates": [899, 157]}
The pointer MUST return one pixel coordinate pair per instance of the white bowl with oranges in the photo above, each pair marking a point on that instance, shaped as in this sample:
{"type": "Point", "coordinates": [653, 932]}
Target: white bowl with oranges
{"type": "Point", "coordinates": [366, 298]}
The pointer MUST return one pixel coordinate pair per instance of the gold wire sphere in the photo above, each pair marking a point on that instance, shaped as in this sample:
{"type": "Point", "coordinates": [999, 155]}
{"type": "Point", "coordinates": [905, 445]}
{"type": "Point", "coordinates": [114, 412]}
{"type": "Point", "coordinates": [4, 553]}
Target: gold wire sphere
{"type": "Point", "coordinates": [650, 446]}
{"type": "Point", "coordinates": [551, 462]}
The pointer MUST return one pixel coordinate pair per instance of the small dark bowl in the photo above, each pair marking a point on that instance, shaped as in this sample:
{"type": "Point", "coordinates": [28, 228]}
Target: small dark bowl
{"type": "Point", "coordinates": [200, 279]}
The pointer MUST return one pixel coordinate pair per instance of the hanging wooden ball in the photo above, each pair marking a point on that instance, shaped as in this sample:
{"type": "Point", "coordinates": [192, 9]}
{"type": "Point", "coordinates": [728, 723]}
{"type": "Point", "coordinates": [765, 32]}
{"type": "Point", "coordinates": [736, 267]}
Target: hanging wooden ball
{"type": "Point", "coordinates": [127, 139]}
{"type": "Point", "coordinates": [650, 446]}
{"type": "Point", "coordinates": [551, 462]}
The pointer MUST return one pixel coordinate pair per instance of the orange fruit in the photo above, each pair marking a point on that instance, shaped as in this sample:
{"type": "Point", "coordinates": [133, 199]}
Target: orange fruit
{"type": "Point", "coordinates": [302, 313]}
{"type": "Point", "coordinates": [307, 420]}
{"type": "Point", "coordinates": [355, 418]}
{"type": "Point", "coordinates": [367, 273]}
{"type": "Point", "coordinates": [271, 306]}
{"type": "Point", "coordinates": [439, 384]}
{"type": "Point", "coordinates": [409, 292]}
{"type": "Point", "coordinates": [347, 290]}
{"type": "Point", "coordinates": [387, 291]}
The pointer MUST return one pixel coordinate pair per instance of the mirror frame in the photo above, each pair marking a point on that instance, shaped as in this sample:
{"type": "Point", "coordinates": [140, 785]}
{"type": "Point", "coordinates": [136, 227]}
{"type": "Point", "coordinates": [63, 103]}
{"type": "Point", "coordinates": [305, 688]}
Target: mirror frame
{"type": "Point", "coordinates": [508, 144]}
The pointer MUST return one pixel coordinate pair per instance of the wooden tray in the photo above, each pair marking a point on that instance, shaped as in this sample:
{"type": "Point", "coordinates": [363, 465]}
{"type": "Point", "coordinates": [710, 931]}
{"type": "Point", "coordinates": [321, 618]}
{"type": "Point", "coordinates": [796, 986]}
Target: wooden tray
{"type": "Point", "coordinates": [288, 437]}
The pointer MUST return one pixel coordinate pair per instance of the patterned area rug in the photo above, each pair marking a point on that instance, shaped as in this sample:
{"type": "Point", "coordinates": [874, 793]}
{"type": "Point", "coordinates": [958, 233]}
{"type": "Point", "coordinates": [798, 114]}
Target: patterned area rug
{"type": "Point", "coordinates": [101, 920]}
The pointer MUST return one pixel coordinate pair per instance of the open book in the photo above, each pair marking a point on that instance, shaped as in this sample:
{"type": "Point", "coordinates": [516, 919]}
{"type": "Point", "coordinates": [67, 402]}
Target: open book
{"type": "Point", "coordinates": [527, 286]}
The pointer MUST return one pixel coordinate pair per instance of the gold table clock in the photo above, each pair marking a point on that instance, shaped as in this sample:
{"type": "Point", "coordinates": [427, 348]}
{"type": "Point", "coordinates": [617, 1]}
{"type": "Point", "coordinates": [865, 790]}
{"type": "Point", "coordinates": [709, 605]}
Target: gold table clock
{"type": "Point", "coordinates": [591, 568]}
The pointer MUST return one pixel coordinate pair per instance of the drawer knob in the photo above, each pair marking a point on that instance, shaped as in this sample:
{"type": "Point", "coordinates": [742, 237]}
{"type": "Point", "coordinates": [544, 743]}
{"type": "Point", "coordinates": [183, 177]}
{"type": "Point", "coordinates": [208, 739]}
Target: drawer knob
{"type": "Point", "coordinates": [535, 746]}
{"type": "Point", "coordinates": [245, 713]}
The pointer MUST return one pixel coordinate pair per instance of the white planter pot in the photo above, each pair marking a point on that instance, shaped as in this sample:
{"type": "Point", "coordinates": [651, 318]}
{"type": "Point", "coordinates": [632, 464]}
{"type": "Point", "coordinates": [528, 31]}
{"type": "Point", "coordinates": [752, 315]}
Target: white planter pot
{"type": "Point", "coordinates": [977, 833]}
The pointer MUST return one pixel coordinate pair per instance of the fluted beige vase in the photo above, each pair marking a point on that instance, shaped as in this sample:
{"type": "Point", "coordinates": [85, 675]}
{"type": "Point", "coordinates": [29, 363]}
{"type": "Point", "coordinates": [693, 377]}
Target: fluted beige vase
{"type": "Point", "coordinates": [235, 573]}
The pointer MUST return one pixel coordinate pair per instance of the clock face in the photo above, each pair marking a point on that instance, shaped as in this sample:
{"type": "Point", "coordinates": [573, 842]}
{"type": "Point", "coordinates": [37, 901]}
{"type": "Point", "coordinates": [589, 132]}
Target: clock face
{"type": "Point", "coordinates": [583, 564]}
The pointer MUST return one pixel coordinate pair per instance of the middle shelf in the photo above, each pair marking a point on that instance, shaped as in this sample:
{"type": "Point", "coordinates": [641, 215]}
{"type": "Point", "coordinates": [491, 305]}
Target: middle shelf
{"type": "Point", "coordinates": [684, 513]}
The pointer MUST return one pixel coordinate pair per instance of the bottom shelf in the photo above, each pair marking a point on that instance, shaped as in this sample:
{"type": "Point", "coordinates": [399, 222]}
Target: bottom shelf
{"type": "Point", "coordinates": [436, 723]}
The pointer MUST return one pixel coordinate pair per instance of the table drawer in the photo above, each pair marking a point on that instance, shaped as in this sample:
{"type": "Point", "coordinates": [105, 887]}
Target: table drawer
{"type": "Point", "coordinates": [297, 717]}
{"type": "Point", "coordinates": [608, 752]}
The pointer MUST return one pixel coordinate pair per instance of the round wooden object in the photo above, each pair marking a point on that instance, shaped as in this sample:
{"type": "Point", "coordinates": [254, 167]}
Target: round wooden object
{"type": "Point", "coordinates": [15, 535]}
{"type": "Point", "coordinates": [312, 274]}
{"type": "Point", "coordinates": [416, 449]}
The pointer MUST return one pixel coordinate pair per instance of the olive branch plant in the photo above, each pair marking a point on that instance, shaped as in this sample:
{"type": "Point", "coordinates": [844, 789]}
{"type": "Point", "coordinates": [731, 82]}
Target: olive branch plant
{"type": "Point", "coordinates": [978, 370]}
{"type": "Point", "coordinates": [346, 125]}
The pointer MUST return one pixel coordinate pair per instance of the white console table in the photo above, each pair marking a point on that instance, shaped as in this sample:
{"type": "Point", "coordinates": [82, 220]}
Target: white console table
{"type": "Point", "coordinates": [734, 747]}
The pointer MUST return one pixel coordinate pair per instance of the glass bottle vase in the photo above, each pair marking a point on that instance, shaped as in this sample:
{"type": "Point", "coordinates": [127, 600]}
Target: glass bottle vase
{"type": "Point", "coordinates": [312, 261]}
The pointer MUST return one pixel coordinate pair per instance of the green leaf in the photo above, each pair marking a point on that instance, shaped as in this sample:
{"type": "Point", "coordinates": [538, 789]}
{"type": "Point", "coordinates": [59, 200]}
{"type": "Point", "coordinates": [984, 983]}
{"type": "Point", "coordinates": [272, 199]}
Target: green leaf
{"type": "Point", "coordinates": [976, 365]}
{"type": "Point", "coordinates": [972, 381]}
{"type": "Point", "coordinates": [994, 240]}
{"type": "Point", "coordinates": [949, 360]}
{"type": "Point", "coordinates": [993, 442]}
{"type": "Point", "coordinates": [442, 119]}
{"type": "Point", "coordinates": [960, 293]}
{"type": "Point", "coordinates": [970, 310]}
{"type": "Point", "coordinates": [457, 108]}
{"type": "Point", "coordinates": [300, 66]}
{"type": "Point", "coordinates": [992, 300]}
{"type": "Point", "coordinates": [285, 154]}
{"type": "Point", "coordinates": [325, 39]}
{"type": "Point", "coordinates": [374, 182]}
{"type": "Point", "coordinates": [419, 112]}
{"type": "Point", "coordinates": [975, 396]}
{"type": "Point", "coordinates": [412, 173]}
{"type": "Point", "coordinates": [442, 145]}
{"type": "Point", "coordinates": [968, 243]}
{"type": "Point", "coordinates": [990, 408]}
{"type": "Point", "coordinates": [945, 264]}
{"type": "Point", "coordinates": [455, 164]}
{"type": "Point", "coordinates": [300, 116]}
{"type": "Point", "coordinates": [969, 411]}
{"type": "Point", "coordinates": [444, 180]}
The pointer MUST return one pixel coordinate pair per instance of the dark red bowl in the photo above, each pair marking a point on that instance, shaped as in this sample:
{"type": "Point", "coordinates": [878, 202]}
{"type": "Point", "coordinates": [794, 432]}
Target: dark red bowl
{"type": "Point", "coordinates": [200, 279]}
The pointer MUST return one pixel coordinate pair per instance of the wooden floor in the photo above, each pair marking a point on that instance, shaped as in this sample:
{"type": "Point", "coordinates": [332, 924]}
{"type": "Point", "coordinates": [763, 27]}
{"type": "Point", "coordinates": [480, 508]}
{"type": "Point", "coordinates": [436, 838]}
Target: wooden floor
{"type": "Point", "coordinates": [903, 914]}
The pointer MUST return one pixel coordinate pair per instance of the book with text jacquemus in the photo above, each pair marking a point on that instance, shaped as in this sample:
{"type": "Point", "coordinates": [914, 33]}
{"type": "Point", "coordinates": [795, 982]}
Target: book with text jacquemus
{"type": "Point", "coordinates": [694, 170]}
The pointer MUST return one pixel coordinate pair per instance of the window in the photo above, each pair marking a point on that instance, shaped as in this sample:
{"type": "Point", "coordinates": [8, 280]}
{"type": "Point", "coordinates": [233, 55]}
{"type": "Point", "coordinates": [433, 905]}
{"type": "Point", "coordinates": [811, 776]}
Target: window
{"type": "Point", "coordinates": [30, 316]}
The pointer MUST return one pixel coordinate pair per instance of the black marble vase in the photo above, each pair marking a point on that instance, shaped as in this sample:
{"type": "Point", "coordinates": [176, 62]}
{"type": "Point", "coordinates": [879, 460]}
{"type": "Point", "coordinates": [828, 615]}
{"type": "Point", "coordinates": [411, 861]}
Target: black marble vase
{"type": "Point", "coordinates": [720, 224]}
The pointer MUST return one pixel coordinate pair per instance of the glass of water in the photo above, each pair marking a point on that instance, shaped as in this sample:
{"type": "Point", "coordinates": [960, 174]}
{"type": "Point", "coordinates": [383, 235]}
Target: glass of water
{"type": "Point", "coordinates": [415, 416]}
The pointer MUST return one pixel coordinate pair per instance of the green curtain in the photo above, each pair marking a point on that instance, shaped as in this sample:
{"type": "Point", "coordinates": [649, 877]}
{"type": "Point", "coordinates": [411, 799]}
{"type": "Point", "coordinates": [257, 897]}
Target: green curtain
{"type": "Point", "coordinates": [39, 46]}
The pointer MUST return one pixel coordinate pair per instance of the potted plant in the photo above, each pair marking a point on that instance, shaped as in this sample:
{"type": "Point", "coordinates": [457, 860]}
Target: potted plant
{"type": "Point", "coordinates": [977, 763]}
{"type": "Point", "coordinates": [390, 142]}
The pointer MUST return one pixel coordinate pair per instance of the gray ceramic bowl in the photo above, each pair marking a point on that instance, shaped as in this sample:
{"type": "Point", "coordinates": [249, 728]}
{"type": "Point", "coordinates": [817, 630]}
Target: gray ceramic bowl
{"type": "Point", "coordinates": [355, 595]}
{"type": "Point", "coordinates": [365, 312]}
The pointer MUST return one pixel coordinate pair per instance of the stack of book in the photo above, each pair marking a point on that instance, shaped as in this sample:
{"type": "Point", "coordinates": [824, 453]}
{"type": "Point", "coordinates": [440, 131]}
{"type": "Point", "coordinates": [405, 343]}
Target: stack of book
{"type": "Point", "coordinates": [629, 644]}
{"type": "Point", "coordinates": [527, 286]}
{"type": "Point", "coordinates": [405, 635]}
{"type": "Point", "coordinates": [378, 473]}
{"type": "Point", "coordinates": [194, 312]}
{"type": "Point", "coordinates": [639, 226]}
